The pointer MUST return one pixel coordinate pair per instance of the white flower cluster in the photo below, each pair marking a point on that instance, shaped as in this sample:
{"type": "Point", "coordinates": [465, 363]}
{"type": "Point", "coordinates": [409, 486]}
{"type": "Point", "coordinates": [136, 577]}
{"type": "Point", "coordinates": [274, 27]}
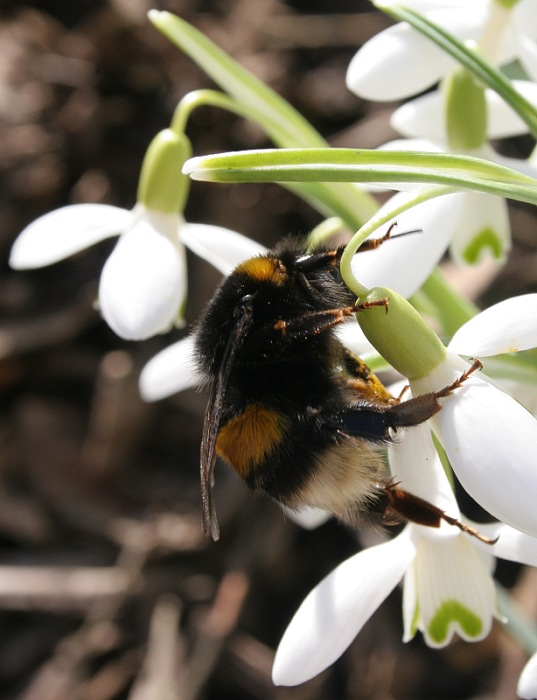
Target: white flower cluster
{"type": "Point", "coordinates": [489, 437]}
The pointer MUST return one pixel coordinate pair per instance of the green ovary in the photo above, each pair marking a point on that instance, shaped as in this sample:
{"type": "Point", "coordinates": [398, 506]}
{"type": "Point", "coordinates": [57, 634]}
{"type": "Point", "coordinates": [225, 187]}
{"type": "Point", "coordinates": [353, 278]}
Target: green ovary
{"type": "Point", "coordinates": [453, 611]}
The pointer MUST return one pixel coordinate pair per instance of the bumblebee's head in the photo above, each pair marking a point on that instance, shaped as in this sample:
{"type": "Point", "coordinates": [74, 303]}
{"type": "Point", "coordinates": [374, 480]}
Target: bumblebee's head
{"type": "Point", "coordinates": [261, 291]}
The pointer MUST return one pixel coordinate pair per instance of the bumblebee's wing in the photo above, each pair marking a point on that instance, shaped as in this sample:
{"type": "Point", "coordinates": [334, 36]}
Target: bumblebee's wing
{"type": "Point", "coordinates": [208, 459]}
{"type": "Point", "coordinates": [213, 414]}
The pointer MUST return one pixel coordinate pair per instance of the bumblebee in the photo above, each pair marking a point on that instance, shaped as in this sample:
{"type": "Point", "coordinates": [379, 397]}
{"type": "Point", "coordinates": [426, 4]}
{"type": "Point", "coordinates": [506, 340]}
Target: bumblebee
{"type": "Point", "coordinates": [297, 415]}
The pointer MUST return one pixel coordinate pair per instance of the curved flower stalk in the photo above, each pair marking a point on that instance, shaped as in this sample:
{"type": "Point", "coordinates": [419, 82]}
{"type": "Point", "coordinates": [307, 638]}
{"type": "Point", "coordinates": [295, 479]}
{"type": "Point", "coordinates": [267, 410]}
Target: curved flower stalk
{"type": "Point", "coordinates": [143, 284]}
{"type": "Point", "coordinates": [384, 68]}
{"type": "Point", "coordinates": [447, 579]}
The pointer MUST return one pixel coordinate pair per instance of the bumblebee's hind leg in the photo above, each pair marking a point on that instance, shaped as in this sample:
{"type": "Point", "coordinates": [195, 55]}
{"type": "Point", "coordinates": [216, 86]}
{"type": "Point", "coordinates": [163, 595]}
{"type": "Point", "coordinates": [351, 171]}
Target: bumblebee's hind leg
{"type": "Point", "coordinates": [395, 504]}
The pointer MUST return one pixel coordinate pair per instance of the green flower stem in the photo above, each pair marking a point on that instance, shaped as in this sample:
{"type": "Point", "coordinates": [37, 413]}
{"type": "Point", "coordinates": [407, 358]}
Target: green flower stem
{"type": "Point", "coordinates": [519, 627]}
{"type": "Point", "coordinates": [467, 57]}
{"type": "Point", "coordinates": [254, 100]}
{"type": "Point", "coordinates": [361, 165]}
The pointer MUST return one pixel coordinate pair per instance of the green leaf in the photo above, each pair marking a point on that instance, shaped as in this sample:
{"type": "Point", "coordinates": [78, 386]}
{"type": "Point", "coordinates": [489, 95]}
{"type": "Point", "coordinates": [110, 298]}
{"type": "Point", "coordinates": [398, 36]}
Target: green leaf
{"type": "Point", "coordinates": [453, 172]}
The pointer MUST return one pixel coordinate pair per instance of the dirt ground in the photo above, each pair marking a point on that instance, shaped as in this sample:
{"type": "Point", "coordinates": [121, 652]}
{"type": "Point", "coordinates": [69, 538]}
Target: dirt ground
{"type": "Point", "coordinates": [107, 588]}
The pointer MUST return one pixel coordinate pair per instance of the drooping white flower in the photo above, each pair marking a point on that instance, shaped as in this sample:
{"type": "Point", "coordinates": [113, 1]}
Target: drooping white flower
{"type": "Point", "coordinates": [400, 62]}
{"type": "Point", "coordinates": [143, 283]}
{"type": "Point", "coordinates": [447, 577]}
{"type": "Point", "coordinates": [460, 116]}
{"type": "Point", "coordinates": [485, 432]}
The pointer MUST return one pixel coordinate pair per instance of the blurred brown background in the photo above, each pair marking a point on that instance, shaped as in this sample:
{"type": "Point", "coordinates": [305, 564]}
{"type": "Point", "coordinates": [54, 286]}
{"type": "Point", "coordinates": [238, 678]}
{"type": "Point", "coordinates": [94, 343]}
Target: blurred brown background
{"type": "Point", "coordinates": [107, 588]}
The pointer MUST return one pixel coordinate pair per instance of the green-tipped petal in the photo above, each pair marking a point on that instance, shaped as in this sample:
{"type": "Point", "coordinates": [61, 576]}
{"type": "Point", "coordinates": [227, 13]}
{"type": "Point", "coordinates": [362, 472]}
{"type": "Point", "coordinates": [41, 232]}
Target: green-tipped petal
{"type": "Point", "coordinates": [455, 591]}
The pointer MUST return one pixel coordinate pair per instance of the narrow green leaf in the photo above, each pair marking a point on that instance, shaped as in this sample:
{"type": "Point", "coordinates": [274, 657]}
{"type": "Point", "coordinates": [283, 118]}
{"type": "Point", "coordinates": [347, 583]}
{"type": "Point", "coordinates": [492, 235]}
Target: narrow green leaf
{"type": "Point", "coordinates": [354, 165]}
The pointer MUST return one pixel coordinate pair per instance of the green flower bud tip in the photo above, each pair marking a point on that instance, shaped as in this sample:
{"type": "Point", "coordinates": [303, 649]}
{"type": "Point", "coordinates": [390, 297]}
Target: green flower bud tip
{"type": "Point", "coordinates": [399, 333]}
{"type": "Point", "coordinates": [162, 185]}
{"type": "Point", "coordinates": [465, 112]}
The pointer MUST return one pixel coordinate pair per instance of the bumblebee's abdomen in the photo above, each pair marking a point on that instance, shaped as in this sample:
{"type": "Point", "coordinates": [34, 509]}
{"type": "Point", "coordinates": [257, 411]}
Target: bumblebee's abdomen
{"type": "Point", "coordinates": [299, 463]}
{"type": "Point", "coordinates": [249, 439]}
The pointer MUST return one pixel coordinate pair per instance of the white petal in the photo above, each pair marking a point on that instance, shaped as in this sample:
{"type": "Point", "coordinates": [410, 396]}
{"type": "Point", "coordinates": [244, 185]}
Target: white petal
{"type": "Point", "coordinates": [170, 371]}
{"type": "Point", "coordinates": [400, 62]}
{"type": "Point", "coordinates": [483, 229]}
{"type": "Point", "coordinates": [488, 438]}
{"type": "Point", "coordinates": [410, 603]}
{"type": "Point", "coordinates": [335, 611]}
{"type": "Point", "coordinates": [308, 518]}
{"type": "Point", "coordinates": [415, 464]}
{"type": "Point", "coordinates": [512, 544]}
{"type": "Point", "coordinates": [353, 338]}
{"type": "Point", "coordinates": [423, 117]}
{"type": "Point", "coordinates": [396, 63]}
{"type": "Point", "coordinates": [509, 326]}
{"type": "Point", "coordinates": [221, 247]}
{"type": "Point", "coordinates": [66, 231]}
{"type": "Point", "coordinates": [527, 684]}
{"type": "Point", "coordinates": [528, 55]}
{"type": "Point", "coordinates": [143, 283]}
{"type": "Point", "coordinates": [455, 591]}
{"type": "Point", "coordinates": [503, 121]}
{"type": "Point", "coordinates": [403, 264]}
{"type": "Point", "coordinates": [524, 17]}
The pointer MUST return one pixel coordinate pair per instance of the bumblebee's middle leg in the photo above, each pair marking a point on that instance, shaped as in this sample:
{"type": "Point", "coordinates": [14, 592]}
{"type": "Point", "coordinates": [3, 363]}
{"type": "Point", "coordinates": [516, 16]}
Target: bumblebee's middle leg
{"type": "Point", "coordinates": [425, 406]}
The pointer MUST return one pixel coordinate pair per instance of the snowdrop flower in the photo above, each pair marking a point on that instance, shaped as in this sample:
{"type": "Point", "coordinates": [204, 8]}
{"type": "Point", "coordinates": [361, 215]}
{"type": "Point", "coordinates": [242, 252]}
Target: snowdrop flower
{"type": "Point", "coordinates": [460, 116]}
{"type": "Point", "coordinates": [400, 62]}
{"type": "Point", "coordinates": [447, 577]}
{"type": "Point", "coordinates": [143, 283]}
{"type": "Point", "coordinates": [483, 430]}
